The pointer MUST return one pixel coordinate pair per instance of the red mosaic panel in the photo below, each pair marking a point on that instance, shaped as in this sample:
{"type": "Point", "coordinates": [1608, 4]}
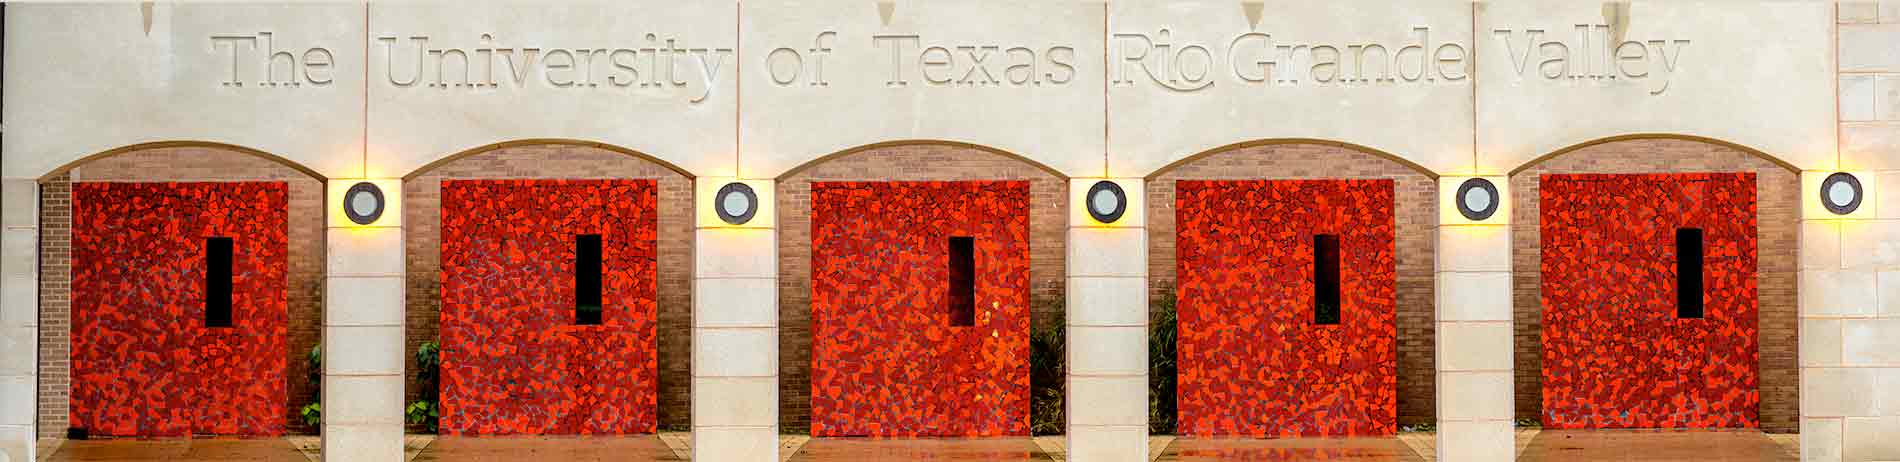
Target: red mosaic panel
{"type": "Point", "coordinates": [1615, 354]}
{"type": "Point", "coordinates": [886, 360]}
{"type": "Point", "coordinates": [513, 360]}
{"type": "Point", "coordinates": [1251, 360]}
{"type": "Point", "coordinates": [143, 362]}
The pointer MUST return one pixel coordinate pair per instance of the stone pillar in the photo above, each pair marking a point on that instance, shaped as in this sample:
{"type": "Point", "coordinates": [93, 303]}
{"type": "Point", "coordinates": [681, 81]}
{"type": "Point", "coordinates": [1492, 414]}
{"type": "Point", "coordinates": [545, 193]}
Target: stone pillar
{"type": "Point", "coordinates": [1474, 328]}
{"type": "Point", "coordinates": [1107, 329]}
{"type": "Point", "coordinates": [1850, 326]}
{"type": "Point", "coordinates": [735, 329]}
{"type": "Point", "coordinates": [363, 309]}
{"type": "Point", "coordinates": [19, 319]}
{"type": "Point", "coordinates": [1850, 264]}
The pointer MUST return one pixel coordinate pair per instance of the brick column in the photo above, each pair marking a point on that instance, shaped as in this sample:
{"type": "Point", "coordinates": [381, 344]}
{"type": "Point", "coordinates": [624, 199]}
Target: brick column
{"type": "Point", "coordinates": [1107, 329]}
{"type": "Point", "coordinates": [19, 318]}
{"type": "Point", "coordinates": [735, 329]}
{"type": "Point", "coordinates": [363, 358]}
{"type": "Point", "coordinates": [1474, 329]}
{"type": "Point", "coordinates": [1850, 264]}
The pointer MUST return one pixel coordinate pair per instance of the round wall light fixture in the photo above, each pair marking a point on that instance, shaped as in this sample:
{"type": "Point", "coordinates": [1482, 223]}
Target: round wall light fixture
{"type": "Point", "coordinates": [1106, 201]}
{"type": "Point", "coordinates": [363, 203]}
{"type": "Point", "coordinates": [1841, 193]}
{"type": "Point", "coordinates": [1477, 199]}
{"type": "Point", "coordinates": [736, 203]}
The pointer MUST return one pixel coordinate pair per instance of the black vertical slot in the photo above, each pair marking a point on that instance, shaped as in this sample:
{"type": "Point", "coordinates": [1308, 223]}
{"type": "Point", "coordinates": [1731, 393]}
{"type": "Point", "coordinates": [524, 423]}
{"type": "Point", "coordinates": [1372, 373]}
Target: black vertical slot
{"type": "Point", "coordinates": [587, 279]}
{"type": "Point", "coordinates": [218, 282]}
{"type": "Point", "coordinates": [962, 296]}
{"type": "Point", "coordinates": [1689, 273]}
{"type": "Point", "coordinates": [1325, 279]}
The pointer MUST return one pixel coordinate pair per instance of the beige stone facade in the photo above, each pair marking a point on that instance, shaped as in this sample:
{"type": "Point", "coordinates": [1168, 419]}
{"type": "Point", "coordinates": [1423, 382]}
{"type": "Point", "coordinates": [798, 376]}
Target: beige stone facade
{"type": "Point", "coordinates": [778, 93]}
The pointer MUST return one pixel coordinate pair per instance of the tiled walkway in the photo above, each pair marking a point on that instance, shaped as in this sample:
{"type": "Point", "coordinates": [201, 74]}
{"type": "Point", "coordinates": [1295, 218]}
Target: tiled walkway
{"type": "Point", "coordinates": [1659, 446]}
{"type": "Point", "coordinates": [960, 449]}
{"type": "Point", "coordinates": [1291, 449]}
{"type": "Point", "coordinates": [514, 449]}
{"type": "Point", "coordinates": [205, 450]}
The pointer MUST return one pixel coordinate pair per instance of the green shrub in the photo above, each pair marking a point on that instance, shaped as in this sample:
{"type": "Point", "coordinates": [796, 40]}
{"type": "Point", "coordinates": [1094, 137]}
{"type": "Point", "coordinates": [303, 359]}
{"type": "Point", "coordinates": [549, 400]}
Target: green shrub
{"type": "Point", "coordinates": [1047, 366]}
{"type": "Point", "coordinates": [312, 413]}
{"type": "Point", "coordinates": [1161, 367]}
{"type": "Point", "coordinates": [426, 410]}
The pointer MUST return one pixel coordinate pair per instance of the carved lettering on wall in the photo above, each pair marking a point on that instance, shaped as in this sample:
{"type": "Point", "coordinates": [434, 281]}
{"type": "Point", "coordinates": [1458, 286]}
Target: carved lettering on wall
{"type": "Point", "coordinates": [1594, 53]}
{"type": "Point", "coordinates": [1259, 58]}
{"type": "Point", "coordinates": [912, 59]}
{"type": "Point", "coordinates": [657, 64]}
{"type": "Point", "coordinates": [258, 57]}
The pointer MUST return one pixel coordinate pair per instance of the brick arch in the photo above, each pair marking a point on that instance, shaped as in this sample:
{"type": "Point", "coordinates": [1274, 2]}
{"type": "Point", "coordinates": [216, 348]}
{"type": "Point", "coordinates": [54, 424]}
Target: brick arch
{"type": "Point", "coordinates": [483, 149]}
{"type": "Point", "coordinates": [1359, 149]}
{"type": "Point", "coordinates": [560, 159]}
{"type": "Point", "coordinates": [1415, 216]}
{"type": "Point", "coordinates": [178, 161]}
{"type": "Point", "coordinates": [1533, 163]}
{"type": "Point", "coordinates": [1777, 186]}
{"type": "Point", "coordinates": [903, 161]}
{"type": "Point", "coordinates": [208, 145]}
{"type": "Point", "coordinates": [821, 160]}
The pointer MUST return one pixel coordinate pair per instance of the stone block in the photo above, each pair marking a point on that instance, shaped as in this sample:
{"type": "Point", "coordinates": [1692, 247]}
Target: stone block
{"type": "Point", "coordinates": [738, 444]}
{"type": "Point", "coordinates": [735, 401]}
{"type": "Point", "coordinates": [1474, 296]}
{"type": "Point", "coordinates": [1858, 12]}
{"type": "Point", "coordinates": [19, 300]}
{"type": "Point", "coordinates": [17, 400]}
{"type": "Point", "coordinates": [1118, 400]}
{"type": "Point", "coordinates": [1474, 248]}
{"type": "Point", "coordinates": [1821, 439]}
{"type": "Point", "coordinates": [735, 352]}
{"type": "Point", "coordinates": [1870, 342]}
{"type": "Point", "coordinates": [735, 253]}
{"type": "Point", "coordinates": [363, 399]}
{"type": "Point", "coordinates": [356, 252]}
{"type": "Point", "coordinates": [363, 350]}
{"type": "Point", "coordinates": [1110, 252]}
{"type": "Point", "coordinates": [19, 350]}
{"type": "Point", "coordinates": [1864, 146]}
{"type": "Point", "coordinates": [1108, 443]}
{"type": "Point", "coordinates": [1478, 440]}
{"type": "Point", "coordinates": [1820, 342]}
{"type": "Point", "coordinates": [1869, 47]}
{"type": "Point", "coordinates": [1837, 392]}
{"type": "Point", "coordinates": [363, 301]}
{"type": "Point", "coordinates": [17, 443]}
{"type": "Point", "coordinates": [735, 302]}
{"type": "Point", "coordinates": [1107, 301]}
{"type": "Point", "coordinates": [1095, 350]}
{"type": "Point", "coordinates": [1886, 97]}
{"type": "Point", "coordinates": [1484, 346]}
{"type": "Point", "coordinates": [1838, 293]}
{"type": "Point", "coordinates": [1870, 439]}
{"type": "Point", "coordinates": [1474, 396]}
{"type": "Point", "coordinates": [377, 442]}
{"type": "Point", "coordinates": [1820, 244]}
{"type": "Point", "coordinates": [19, 203]}
{"type": "Point", "coordinates": [1857, 97]}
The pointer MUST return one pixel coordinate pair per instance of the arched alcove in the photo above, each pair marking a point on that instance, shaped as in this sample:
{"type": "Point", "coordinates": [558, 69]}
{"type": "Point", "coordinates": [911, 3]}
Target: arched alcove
{"type": "Point", "coordinates": [181, 163]}
{"type": "Point", "coordinates": [561, 159]}
{"type": "Point", "coordinates": [1415, 214]}
{"type": "Point", "coordinates": [1776, 191]}
{"type": "Point", "coordinates": [905, 161]}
